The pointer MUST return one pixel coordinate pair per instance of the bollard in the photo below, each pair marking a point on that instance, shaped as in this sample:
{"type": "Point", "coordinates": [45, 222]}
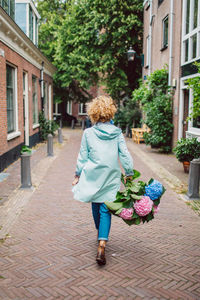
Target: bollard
{"type": "Point", "coordinates": [73, 124]}
{"type": "Point", "coordinates": [50, 145]}
{"type": "Point", "coordinates": [60, 122]}
{"type": "Point", "coordinates": [25, 171]}
{"type": "Point", "coordinates": [60, 138]}
{"type": "Point", "coordinates": [83, 124]}
{"type": "Point", "coordinates": [194, 177]}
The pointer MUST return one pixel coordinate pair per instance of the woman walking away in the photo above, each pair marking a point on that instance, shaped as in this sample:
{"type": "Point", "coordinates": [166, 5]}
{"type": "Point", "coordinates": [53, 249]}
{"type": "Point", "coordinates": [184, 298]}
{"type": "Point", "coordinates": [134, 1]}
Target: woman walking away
{"type": "Point", "coordinates": [98, 175]}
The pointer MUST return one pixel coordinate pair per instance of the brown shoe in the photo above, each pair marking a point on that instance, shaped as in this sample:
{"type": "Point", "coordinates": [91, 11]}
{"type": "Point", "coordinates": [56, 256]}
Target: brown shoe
{"type": "Point", "coordinates": [101, 258]}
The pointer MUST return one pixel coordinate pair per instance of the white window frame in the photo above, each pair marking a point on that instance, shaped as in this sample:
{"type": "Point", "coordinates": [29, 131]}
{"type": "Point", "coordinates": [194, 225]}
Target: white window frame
{"type": "Point", "coordinates": [35, 125]}
{"type": "Point", "coordinates": [80, 109]}
{"type": "Point", "coordinates": [191, 130]}
{"type": "Point", "coordinates": [69, 107]}
{"type": "Point", "coordinates": [190, 34]}
{"type": "Point", "coordinates": [16, 131]}
{"type": "Point", "coordinates": [163, 32]}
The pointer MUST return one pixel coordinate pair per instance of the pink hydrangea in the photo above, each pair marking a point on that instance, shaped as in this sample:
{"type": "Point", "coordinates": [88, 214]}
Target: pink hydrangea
{"type": "Point", "coordinates": [126, 213]}
{"type": "Point", "coordinates": [143, 206]}
{"type": "Point", "coordinates": [156, 209]}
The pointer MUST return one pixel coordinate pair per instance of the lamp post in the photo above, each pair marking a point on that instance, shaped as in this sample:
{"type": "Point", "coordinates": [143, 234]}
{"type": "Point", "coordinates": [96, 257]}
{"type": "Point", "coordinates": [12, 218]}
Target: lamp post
{"type": "Point", "coordinates": [42, 85]}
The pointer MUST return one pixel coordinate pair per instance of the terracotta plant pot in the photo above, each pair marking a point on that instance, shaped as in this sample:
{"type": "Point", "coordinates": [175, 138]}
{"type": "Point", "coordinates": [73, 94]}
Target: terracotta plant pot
{"type": "Point", "coordinates": [186, 166]}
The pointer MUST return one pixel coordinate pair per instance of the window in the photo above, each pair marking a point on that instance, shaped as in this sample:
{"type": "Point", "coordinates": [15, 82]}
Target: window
{"type": "Point", "coordinates": [11, 99]}
{"type": "Point", "coordinates": [35, 100]}
{"type": "Point", "coordinates": [159, 2]}
{"type": "Point", "coordinates": [191, 31]}
{"type": "Point", "coordinates": [9, 7]}
{"type": "Point", "coordinates": [69, 107]}
{"type": "Point", "coordinates": [36, 31]}
{"type": "Point", "coordinates": [82, 109]}
{"type": "Point", "coordinates": [165, 32]}
{"type": "Point", "coordinates": [21, 16]}
{"type": "Point", "coordinates": [45, 99]}
{"type": "Point", "coordinates": [31, 23]}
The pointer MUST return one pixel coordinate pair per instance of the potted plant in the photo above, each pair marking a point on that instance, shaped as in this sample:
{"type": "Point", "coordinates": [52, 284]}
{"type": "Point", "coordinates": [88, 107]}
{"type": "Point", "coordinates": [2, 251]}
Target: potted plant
{"type": "Point", "coordinates": [186, 150]}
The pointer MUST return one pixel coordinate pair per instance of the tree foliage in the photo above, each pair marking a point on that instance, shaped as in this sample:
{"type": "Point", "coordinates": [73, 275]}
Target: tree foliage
{"type": "Point", "coordinates": [87, 40]}
{"type": "Point", "coordinates": [156, 101]}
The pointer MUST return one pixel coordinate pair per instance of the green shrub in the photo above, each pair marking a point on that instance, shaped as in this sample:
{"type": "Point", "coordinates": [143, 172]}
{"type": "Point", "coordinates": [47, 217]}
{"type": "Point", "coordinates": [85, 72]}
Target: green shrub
{"type": "Point", "coordinates": [187, 149]}
{"type": "Point", "coordinates": [46, 126]}
{"type": "Point", "coordinates": [156, 102]}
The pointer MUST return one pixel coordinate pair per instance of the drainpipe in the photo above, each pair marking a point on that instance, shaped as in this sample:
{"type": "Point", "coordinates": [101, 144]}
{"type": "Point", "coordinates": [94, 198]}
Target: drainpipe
{"type": "Point", "coordinates": [171, 42]}
{"type": "Point", "coordinates": [150, 34]}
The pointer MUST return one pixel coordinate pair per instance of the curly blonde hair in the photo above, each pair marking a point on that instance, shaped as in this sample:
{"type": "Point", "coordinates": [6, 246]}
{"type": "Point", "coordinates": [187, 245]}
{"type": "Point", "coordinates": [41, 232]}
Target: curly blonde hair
{"type": "Point", "coordinates": [101, 109]}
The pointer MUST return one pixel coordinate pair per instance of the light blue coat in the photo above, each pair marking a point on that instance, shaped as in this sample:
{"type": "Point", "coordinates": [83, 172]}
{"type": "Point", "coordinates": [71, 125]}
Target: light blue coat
{"type": "Point", "coordinates": [98, 166]}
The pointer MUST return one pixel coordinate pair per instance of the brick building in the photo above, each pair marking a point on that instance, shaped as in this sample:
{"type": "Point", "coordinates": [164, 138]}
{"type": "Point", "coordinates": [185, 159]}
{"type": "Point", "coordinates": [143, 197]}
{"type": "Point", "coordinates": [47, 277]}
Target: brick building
{"type": "Point", "coordinates": [26, 84]}
{"type": "Point", "coordinates": [172, 36]}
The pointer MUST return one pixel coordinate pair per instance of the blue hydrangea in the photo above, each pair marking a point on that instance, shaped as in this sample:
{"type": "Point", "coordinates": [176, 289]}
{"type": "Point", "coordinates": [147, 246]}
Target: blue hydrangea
{"type": "Point", "coordinates": [154, 190]}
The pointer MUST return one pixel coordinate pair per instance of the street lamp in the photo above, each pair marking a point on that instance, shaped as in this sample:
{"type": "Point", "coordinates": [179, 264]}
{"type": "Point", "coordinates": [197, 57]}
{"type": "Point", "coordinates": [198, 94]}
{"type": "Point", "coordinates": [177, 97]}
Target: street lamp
{"type": "Point", "coordinates": [131, 54]}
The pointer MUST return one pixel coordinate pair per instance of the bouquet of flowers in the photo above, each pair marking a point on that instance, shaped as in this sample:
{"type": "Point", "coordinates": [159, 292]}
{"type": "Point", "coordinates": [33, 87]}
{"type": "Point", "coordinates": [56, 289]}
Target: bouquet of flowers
{"type": "Point", "coordinates": [138, 202]}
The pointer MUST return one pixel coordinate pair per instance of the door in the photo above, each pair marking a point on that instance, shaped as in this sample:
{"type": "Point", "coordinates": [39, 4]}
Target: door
{"type": "Point", "coordinates": [25, 108]}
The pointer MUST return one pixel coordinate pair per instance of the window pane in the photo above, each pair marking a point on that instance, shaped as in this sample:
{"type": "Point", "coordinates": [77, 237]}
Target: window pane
{"type": "Point", "coordinates": [187, 16]}
{"type": "Point", "coordinates": [35, 100]}
{"type": "Point", "coordinates": [10, 81]}
{"type": "Point", "coordinates": [165, 32]}
{"type": "Point", "coordinates": [12, 9]}
{"type": "Point", "coordinates": [194, 46]}
{"type": "Point", "coordinates": [186, 50]}
{"type": "Point", "coordinates": [196, 122]}
{"type": "Point", "coordinates": [36, 31]}
{"type": "Point", "coordinates": [30, 23]}
{"type": "Point", "coordinates": [21, 16]}
{"type": "Point", "coordinates": [195, 13]}
{"type": "Point", "coordinates": [84, 108]}
{"type": "Point", "coordinates": [5, 5]}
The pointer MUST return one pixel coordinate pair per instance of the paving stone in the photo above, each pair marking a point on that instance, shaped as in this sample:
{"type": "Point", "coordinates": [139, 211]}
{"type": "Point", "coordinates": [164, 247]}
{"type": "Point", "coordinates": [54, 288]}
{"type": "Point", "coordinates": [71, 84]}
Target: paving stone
{"type": "Point", "coordinates": [51, 251]}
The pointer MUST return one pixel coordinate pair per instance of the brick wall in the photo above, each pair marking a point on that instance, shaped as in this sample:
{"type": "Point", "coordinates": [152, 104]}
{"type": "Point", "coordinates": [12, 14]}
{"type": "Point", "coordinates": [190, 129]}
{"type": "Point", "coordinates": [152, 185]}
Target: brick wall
{"type": "Point", "coordinates": [160, 57]}
{"type": "Point", "coordinates": [21, 64]}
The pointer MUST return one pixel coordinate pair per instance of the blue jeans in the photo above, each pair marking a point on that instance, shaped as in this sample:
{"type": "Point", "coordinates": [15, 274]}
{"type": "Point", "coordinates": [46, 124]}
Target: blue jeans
{"type": "Point", "coordinates": [102, 220]}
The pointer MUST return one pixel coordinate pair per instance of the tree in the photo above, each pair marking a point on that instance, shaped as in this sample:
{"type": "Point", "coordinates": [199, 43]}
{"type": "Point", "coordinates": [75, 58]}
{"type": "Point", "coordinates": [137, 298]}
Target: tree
{"type": "Point", "coordinates": [87, 40]}
{"type": "Point", "coordinates": [156, 102]}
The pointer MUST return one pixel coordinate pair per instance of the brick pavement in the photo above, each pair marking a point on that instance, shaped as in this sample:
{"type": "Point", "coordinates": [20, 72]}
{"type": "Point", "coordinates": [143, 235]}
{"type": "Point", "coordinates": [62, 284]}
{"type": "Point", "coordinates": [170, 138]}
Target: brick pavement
{"type": "Point", "coordinates": [52, 246]}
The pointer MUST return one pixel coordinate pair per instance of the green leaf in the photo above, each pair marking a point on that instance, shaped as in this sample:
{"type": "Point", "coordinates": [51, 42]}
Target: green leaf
{"type": "Point", "coordinates": [149, 217]}
{"type": "Point", "coordinates": [136, 174]}
{"type": "Point", "coordinates": [129, 222]}
{"type": "Point", "coordinates": [150, 181]}
{"type": "Point", "coordinates": [128, 204]}
{"type": "Point", "coordinates": [113, 205]}
{"type": "Point", "coordinates": [119, 211]}
{"type": "Point", "coordinates": [135, 216]}
{"type": "Point", "coordinates": [137, 221]}
{"type": "Point", "coordinates": [156, 202]}
{"type": "Point", "coordinates": [136, 197]}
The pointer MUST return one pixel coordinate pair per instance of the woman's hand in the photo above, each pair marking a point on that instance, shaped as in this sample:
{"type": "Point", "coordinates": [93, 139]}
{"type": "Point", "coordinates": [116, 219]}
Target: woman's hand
{"type": "Point", "coordinates": [76, 180]}
{"type": "Point", "coordinates": [127, 178]}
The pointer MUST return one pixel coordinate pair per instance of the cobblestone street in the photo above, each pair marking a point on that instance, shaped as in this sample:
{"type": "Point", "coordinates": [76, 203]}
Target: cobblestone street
{"type": "Point", "coordinates": [51, 248]}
